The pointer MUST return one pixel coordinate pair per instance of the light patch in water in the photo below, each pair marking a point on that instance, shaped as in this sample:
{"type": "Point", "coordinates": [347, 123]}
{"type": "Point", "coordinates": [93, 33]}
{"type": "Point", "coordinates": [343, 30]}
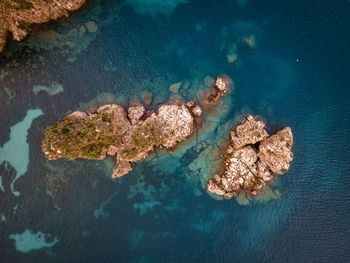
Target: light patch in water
{"type": "Point", "coordinates": [100, 212]}
{"type": "Point", "coordinates": [206, 225]}
{"type": "Point", "coordinates": [3, 218]}
{"type": "Point", "coordinates": [10, 94]}
{"type": "Point", "coordinates": [232, 53]}
{"type": "Point", "coordinates": [91, 27]}
{"type": "Point", "coordinates": [201, 26]}
{"type": "Point", "coordinates": [1, 185]}
{"type": "Point", "coordinates": [148, 194]}
{"type": "Point", "coordinates": [102, 99]}
{"type": "Point", "coordinates": [53, 89]}
{"type": "Point", "coordinates": [3, 74]}
{"type": "Point", "coordinates": [28, 241]}
{"type": "Point", "coordinates": [174, 88]}
{"type": "Point", "coordinates": [241, 3]}
{"type": "Point", "coordinates": [168, 164]}
{"type": "Point", "coordinates": [136, 237]}
{"type": "Point", "coordinates": [249, 41]}
{"type": "Point", "coordinates": [146, 206]}
{"type": "Point", "coordinates": [154, 7]}
{"type": "Point", "coordinates": [267, 195]}
{"type": "Point", "coordinates": [243, 199]}
{"type": "Point", "coordinates": [16, 150]}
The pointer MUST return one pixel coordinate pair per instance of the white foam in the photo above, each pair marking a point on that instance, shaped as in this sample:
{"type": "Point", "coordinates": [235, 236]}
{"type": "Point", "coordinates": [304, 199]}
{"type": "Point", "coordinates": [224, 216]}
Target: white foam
{"type": "Point", "coordinates": [28, 241]}
{"type": "Point", "coordinates": [16, 150]}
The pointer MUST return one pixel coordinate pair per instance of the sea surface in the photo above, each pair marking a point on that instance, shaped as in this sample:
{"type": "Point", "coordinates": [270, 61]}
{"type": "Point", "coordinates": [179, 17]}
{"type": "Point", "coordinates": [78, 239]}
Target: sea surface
{"type": "Point", "coordinates": [289, 61]}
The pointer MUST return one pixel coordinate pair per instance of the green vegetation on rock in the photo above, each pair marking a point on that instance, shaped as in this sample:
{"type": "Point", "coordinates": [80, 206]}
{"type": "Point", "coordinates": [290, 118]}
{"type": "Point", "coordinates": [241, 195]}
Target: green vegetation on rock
{"type": "Point", "coordinates": [90, 138]}
{"type": "Point", "coordinates": [143, 139]}
{"type": "Point", "coordinates": [80, 138]}
{"type": "Point", "coordinates": [110, 130]}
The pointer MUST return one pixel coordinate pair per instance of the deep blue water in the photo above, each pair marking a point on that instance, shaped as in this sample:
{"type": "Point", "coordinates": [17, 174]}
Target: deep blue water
{"type": "Point", "coordinates": [296, 74]}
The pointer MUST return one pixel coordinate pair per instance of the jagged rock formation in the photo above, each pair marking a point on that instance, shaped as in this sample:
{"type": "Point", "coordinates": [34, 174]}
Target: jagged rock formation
{"type": "Point", "coordinates": [128, 136]}
{"type": "Point", "coordinates": [252, 159]}
{"type": "Point", "coordinates": [16, 16]}
{"type": "Point", "coordinates": [221, 88]}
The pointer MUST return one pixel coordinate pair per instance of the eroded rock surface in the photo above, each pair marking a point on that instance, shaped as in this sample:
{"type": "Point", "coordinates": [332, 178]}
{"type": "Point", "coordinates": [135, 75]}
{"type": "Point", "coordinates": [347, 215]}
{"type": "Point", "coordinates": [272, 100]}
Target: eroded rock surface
{"type": "Point", "coordinates": [110, 130]}
{"type": "Point", "coordinates": [16, 16]}
{"type": "Point", "coordinates": [275, 151]}
{"type": "Point", "coordinates": [252, 159]}
{"type": "Point", "coordinates": [250, 131]}
{"type": "Point", "coordinates": [220, 89]}
{"type": "Point", "coordinates": [135, 112]}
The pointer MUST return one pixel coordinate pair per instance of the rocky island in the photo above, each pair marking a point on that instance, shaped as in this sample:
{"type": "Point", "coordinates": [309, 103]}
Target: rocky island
{"type": "Point", "coordinates": [16, 16]}
{"type": "Point", "coordinates": [252, 159]}
{"type": "Point", "coordinates": [129, 136]}
{"type": "Point", "coordinates": [126, 135]}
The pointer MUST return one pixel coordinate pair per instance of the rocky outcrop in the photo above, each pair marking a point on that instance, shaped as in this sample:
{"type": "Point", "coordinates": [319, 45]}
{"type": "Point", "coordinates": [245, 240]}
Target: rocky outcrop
{"type": "Point", "coordinates": [128, 136]}
{"type": "Point", "coordinates": [16, 16]}
{"type": "Point", "coordinates": [135, 113]}
{"type": "Point", "coordinates": [250, 131]}
{"type": "Point", "coordinates": [275, 151]}
{"type": "Point", "coordinates": [220, 89]}
{"type": "Point", "coordinates": [252, 159]}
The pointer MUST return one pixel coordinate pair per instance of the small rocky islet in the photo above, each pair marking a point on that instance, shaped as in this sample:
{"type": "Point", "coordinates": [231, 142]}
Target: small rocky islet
{"type": "Point", "coordinates": [128, 136]}
{"type": "Point", "coordinates": [251, 159]}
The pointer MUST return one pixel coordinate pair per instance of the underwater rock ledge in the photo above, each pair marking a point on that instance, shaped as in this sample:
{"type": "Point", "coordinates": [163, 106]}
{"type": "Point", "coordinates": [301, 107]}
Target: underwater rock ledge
{"type": "Point", "coordinates": [16, 16]}
{"type": "Point", "coordinates": [252, 159]}
{"type": "Point", "coordinates": [127, 135]}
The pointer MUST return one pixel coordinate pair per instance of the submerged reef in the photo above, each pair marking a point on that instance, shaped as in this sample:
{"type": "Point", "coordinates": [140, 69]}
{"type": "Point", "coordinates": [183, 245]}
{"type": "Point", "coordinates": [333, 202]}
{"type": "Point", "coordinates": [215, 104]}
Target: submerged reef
{"type": "Point", "coordinates": [16, 16]}
{"type": "Point", "coordinates": [252, 158]}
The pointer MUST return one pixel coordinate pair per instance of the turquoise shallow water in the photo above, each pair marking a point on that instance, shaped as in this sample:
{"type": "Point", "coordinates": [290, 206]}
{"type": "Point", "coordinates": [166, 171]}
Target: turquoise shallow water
{"type": "Point", "coordinates": [289, 64]}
